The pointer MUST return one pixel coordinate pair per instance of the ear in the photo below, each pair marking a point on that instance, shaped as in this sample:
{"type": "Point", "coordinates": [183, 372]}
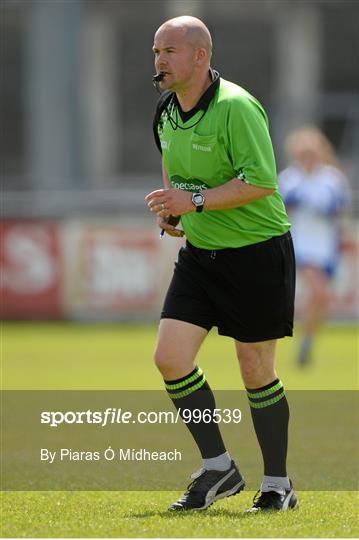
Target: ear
{"type": "Point", "coordinates": [201, 55]}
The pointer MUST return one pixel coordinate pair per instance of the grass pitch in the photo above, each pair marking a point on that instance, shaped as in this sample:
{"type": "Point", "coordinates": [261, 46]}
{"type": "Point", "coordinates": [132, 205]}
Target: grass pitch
{"type": "Point", "coordinates": [144, 515]}
{"type": "Point", "coordinates": [64, 356]}
{"type": "Point", "coordinates": [103, 357]}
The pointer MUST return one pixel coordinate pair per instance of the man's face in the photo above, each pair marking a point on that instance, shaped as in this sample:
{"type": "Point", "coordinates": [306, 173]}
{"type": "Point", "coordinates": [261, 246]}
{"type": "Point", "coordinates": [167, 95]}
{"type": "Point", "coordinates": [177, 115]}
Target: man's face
{"type": "Point", "coordinates": [174, 56]}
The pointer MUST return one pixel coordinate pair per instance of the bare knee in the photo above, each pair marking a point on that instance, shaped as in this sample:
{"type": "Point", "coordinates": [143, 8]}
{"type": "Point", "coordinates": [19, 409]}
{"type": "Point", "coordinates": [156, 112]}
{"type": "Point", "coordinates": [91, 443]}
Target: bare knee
{"type": "Point", "coordinates": [254, 374]}
{"type": "Point", "coordinates": [177, 346]}
{"type": "Point", "coordinates": [250, 373]}
{"type": "Point", "coordinates": [172, 364]}
{"type": "Point", "coordinates": [163, 360]}
{"type": "Point", "coordinates": [256, 363]}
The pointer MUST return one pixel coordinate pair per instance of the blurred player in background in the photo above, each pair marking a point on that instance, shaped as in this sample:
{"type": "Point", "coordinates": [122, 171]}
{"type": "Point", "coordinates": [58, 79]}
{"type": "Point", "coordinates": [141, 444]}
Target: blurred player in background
{"type": "Point", "coordinates": [237, 269]}
{"type": "Point", "coordinates": [316, 194]}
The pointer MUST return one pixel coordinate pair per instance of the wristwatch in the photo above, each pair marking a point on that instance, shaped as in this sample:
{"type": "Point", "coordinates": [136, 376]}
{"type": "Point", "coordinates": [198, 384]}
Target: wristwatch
{"type": "Point", "coordinates": [198, 200]}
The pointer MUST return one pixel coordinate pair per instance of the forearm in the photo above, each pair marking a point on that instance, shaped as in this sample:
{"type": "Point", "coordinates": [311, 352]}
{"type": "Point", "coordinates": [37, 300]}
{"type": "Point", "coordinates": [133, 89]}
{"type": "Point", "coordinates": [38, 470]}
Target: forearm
{"type": "Point", "coordinates": [233, 194]}
{"type": "Point", "coordinates": [176, 202]}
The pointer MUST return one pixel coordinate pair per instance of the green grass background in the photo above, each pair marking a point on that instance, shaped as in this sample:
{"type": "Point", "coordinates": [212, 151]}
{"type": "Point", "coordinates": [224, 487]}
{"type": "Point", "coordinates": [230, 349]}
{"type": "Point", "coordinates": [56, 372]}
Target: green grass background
{"type": "Point", "coordinates": [65, 356]}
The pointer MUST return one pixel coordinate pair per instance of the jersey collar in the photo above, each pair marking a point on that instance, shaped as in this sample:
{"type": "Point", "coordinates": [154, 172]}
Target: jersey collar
{"type": "Point", "coordinates": [205, 99]}
{"type": "Point", "coordinates": [207, 96]}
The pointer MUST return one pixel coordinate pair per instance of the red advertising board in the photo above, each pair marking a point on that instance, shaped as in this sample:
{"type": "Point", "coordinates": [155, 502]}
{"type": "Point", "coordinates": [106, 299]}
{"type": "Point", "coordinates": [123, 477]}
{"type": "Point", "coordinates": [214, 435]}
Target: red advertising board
{"type": "Point", "coordinates": [31, 269]}
{"type": "Point", "coordinates": [105, 270]}
{"type": "Point", "coordinates": [111, 270]}
{"type": "Point", "coordinates": [345, 301]}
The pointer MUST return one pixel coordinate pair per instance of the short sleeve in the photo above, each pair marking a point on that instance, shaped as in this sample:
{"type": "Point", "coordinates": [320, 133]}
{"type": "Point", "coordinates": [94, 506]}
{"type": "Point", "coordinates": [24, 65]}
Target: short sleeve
{"type": "Point", "coordinates": [250, 145]}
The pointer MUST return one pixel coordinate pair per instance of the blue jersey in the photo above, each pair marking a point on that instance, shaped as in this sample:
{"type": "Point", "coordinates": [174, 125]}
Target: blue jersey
{"type": "Point", "coordinates": [314, 201]}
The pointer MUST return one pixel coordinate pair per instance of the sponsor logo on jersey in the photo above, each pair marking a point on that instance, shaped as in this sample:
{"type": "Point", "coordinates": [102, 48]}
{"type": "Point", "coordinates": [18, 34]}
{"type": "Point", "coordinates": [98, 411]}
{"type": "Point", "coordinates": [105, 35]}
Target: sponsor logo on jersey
{"type": "Point", "coordinates": [188, 184]}
{"type": "Point", "coordinates": [165, 144]}
{"type": "Point", "coordinates": [201, 148]}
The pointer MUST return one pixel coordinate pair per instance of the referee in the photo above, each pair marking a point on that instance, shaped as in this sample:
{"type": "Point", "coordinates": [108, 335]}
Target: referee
{"type": "Point", "coordinates": [237, 269]}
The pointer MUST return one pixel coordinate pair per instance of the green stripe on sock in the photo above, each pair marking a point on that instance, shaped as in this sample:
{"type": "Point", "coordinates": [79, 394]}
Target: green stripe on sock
{"type": "Point", "coordinates": [267, 403]}
{"type": "Point", "coordinates": [267, 392]}
{"type": "Point", "coordinates": [181, 384]}
{"type": "Point", "coordinates": [188, 390]}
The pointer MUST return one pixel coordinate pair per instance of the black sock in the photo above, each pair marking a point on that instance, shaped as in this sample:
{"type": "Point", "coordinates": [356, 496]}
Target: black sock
{"type": "Point", "coordinates": [188, 394]}
{"type": "Point", "coordinates": [270, 415]}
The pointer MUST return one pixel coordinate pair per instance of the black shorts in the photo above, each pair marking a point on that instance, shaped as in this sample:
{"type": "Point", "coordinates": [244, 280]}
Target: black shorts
{"type": "Point", "coordinates": [248, 292]}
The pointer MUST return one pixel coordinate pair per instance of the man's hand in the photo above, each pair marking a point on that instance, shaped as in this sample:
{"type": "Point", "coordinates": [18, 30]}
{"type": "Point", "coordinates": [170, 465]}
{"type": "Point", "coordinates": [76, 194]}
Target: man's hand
{"type": "Point", "coordinates": [170, 202]}
{"type": "Point", "coordinates": [169, 226]}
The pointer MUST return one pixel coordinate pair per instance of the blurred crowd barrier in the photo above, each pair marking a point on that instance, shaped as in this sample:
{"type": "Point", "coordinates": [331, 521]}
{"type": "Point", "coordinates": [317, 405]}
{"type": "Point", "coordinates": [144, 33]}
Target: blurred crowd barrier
{"type": "Point", "coordinates": [83, 270]}
{"type": "Point", "coordinates": [107, 269]}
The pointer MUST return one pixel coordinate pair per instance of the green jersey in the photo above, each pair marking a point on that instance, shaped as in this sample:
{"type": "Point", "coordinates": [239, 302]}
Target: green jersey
{"type": "Point", "coordinates": [230, 140]}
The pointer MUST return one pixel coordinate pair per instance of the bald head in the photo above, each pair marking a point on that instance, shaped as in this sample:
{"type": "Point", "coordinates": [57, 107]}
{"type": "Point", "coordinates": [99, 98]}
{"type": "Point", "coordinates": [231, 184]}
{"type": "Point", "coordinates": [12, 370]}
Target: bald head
{"type": "Point", "coordinates": [182, 49]}
{"type": "Point", "coordinates": [193, 30]}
